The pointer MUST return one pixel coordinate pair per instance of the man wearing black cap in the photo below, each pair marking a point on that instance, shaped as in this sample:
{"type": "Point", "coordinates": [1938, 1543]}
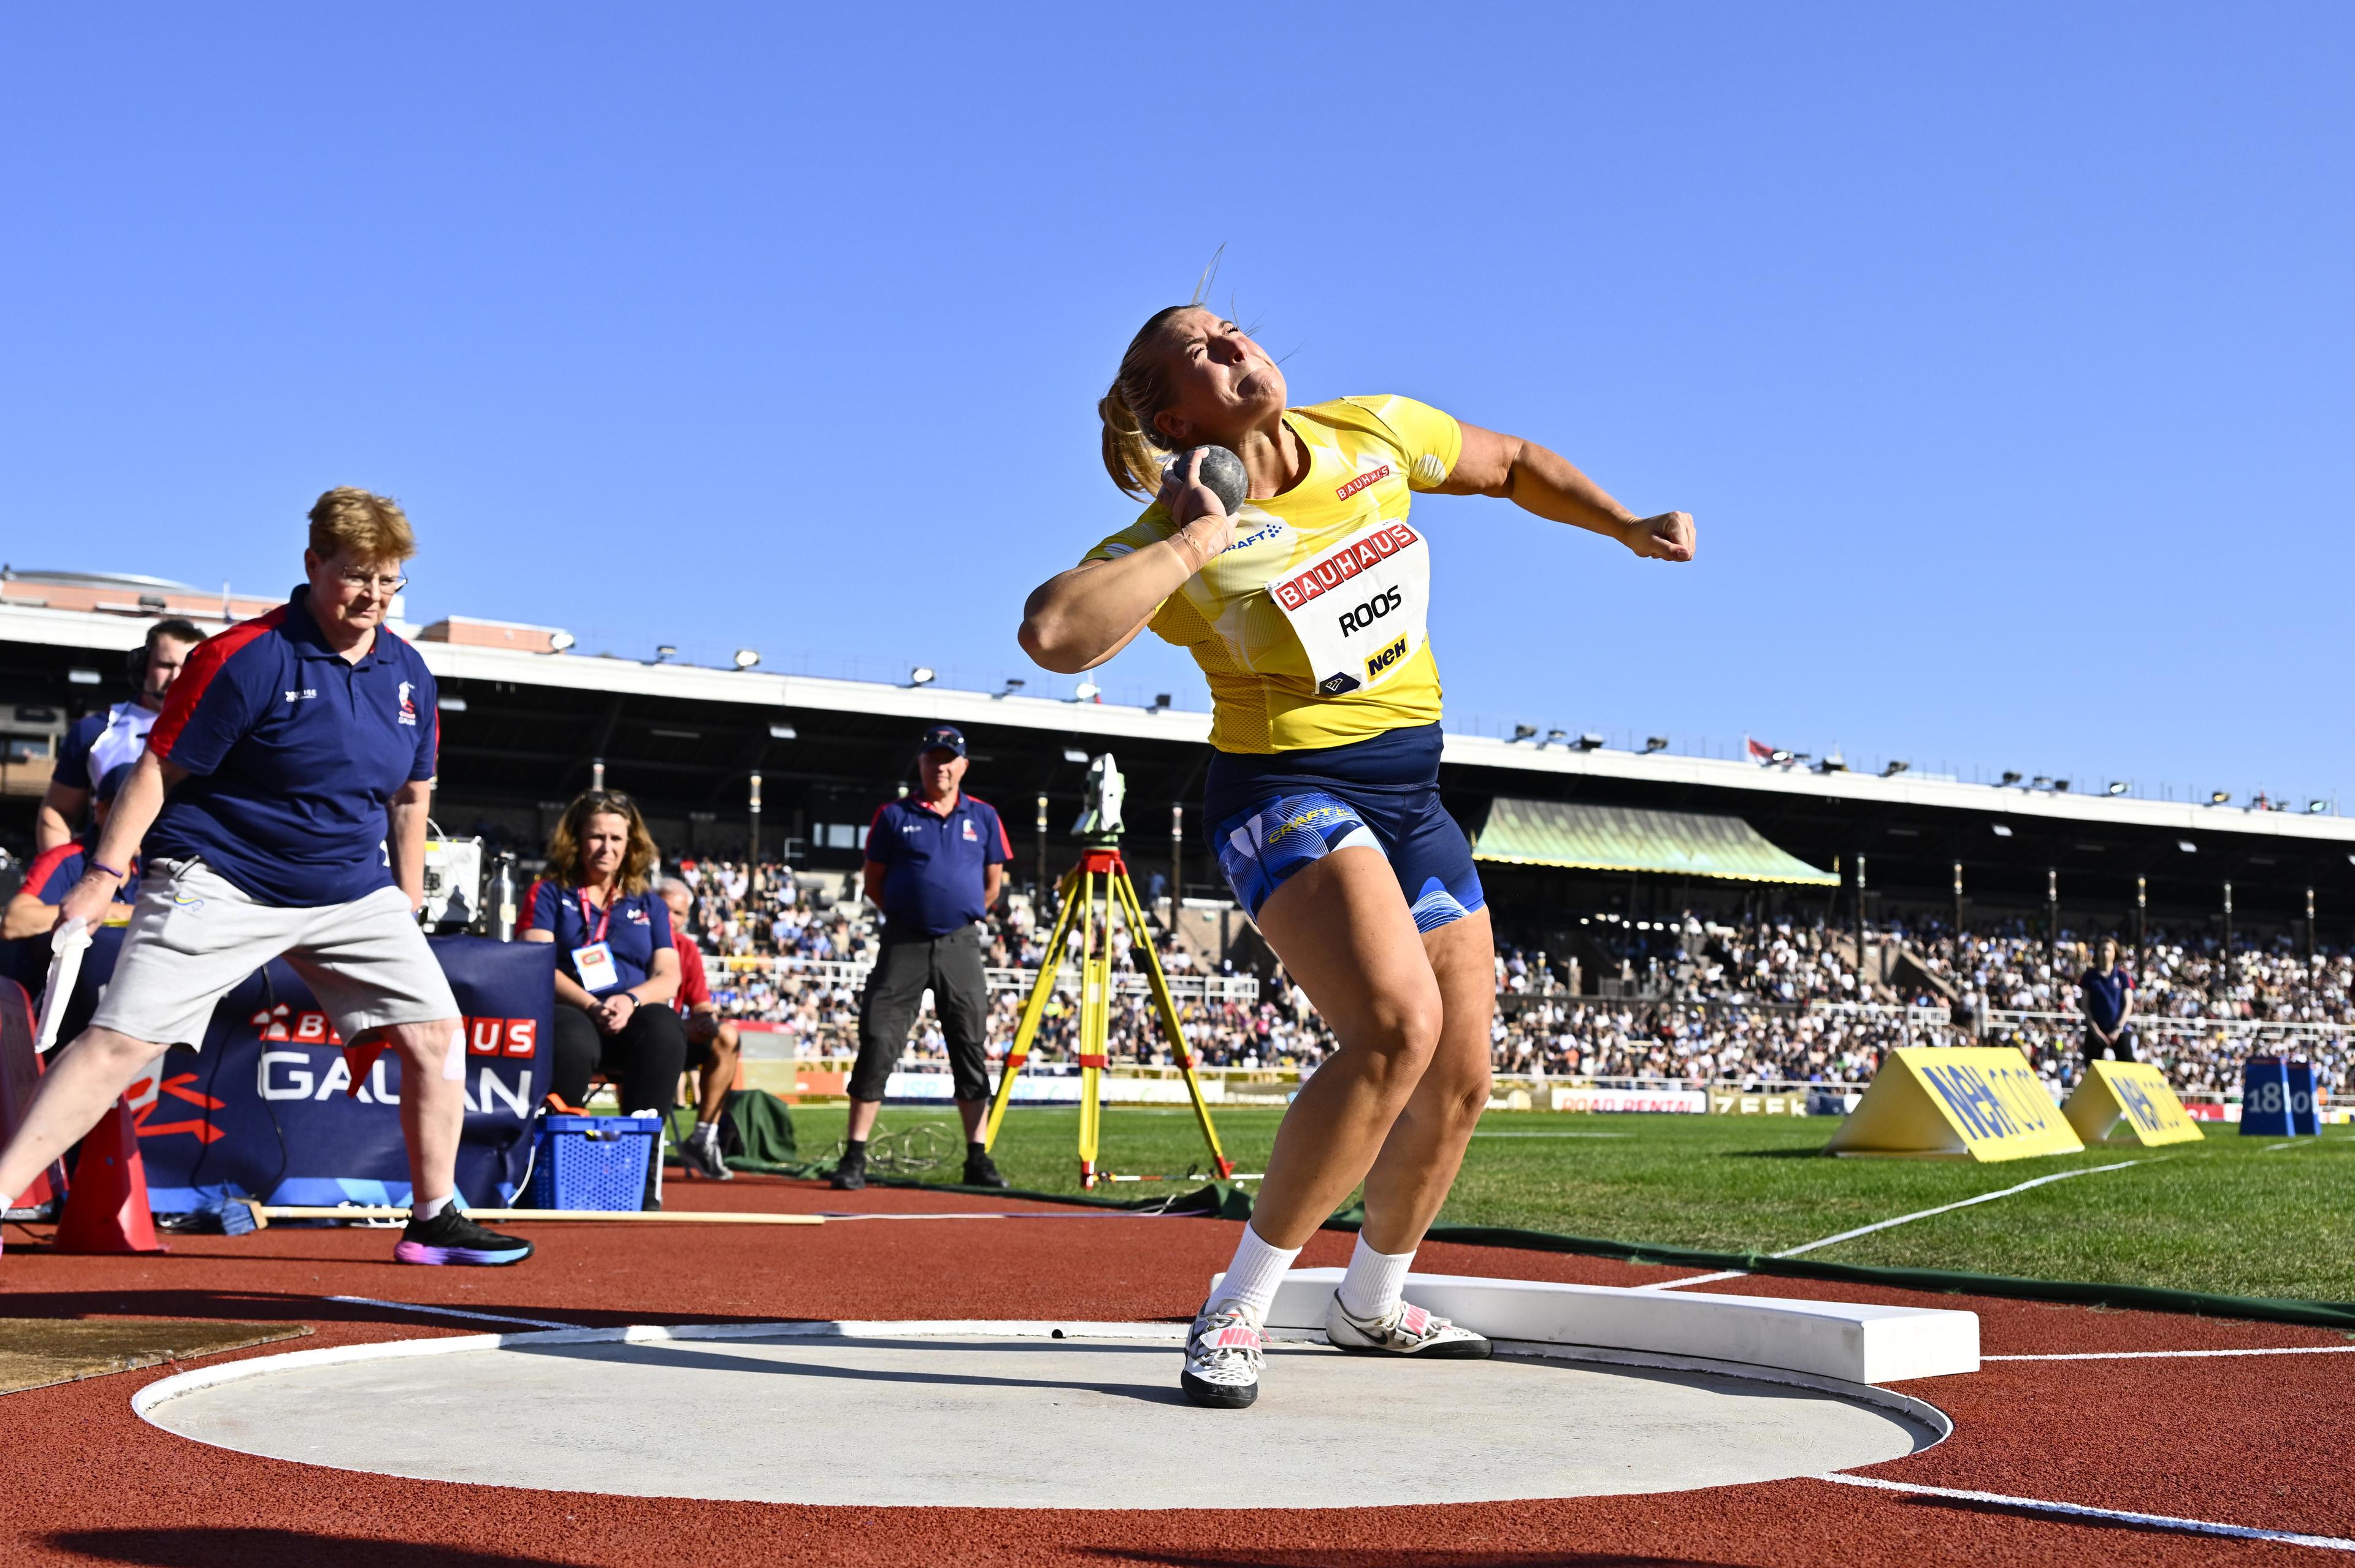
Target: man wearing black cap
{"type": "Point", "coordinates": [935, 859]}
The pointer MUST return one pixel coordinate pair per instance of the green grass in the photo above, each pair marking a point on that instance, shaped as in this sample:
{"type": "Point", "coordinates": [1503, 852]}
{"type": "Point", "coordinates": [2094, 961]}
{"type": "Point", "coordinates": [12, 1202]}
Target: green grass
{"type": "Point", "coordinates": [2228, 1215]}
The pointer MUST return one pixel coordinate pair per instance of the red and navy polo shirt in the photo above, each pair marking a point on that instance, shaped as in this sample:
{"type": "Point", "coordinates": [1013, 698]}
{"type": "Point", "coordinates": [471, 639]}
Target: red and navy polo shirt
{"type": "Point", "coordinates": [295, 751]}
{"type": "Point", "coordinates": [933, 863]}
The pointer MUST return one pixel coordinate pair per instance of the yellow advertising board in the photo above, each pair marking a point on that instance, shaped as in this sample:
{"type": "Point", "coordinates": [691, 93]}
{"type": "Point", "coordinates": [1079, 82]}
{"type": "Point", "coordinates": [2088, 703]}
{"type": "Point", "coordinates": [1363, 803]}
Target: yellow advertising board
{"type": "Point", "coordinates": [1982, 1102]}
{"type": "Point", "coordinates": [2128, 1102]}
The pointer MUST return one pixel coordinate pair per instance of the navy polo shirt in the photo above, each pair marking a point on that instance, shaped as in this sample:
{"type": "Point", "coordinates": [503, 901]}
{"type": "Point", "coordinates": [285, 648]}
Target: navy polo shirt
{"type": "Point", "coordinates": [932, 864]}
{"type": "Point", "coordinates": [639, 929]}
{"type": "Point", "coordinates": [295, 753]}
{"type": "Point", "coordinates": [2105, 997]}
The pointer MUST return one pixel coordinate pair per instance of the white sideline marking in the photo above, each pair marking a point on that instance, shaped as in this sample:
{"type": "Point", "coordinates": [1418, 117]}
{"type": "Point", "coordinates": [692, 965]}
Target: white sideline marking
{"type": "Point", "coordinates": [1901, 1220]}
{"type": "Point", "coordinates": [1692, 1279]}
{"type": "Point", "coordinates": [452, 1312]}
{"type": "Point", "coordinates": [1506, 1135]}
{"type": "Point", "coordinates": [2152, 1355]}
{"type": "Point", "coordinates": [2075, 1510]}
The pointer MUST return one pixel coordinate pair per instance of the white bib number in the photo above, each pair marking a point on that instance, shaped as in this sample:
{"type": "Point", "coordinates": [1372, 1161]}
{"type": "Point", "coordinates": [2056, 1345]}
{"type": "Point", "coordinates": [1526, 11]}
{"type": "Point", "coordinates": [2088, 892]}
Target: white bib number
{"type": "Point", "coordinates": [594, 964]}
{"type": "Point", "coordinates": [1359, 608]}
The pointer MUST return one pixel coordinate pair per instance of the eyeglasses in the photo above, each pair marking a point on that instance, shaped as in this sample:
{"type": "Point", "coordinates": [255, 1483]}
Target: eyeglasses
{"type": "Point", "coordinates": [360, 582]}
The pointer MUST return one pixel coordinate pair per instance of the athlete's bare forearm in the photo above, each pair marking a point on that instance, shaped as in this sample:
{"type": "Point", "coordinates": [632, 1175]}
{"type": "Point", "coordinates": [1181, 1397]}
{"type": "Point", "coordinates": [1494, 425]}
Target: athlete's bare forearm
{"type": "Point", "coordinates": [1546, 482]}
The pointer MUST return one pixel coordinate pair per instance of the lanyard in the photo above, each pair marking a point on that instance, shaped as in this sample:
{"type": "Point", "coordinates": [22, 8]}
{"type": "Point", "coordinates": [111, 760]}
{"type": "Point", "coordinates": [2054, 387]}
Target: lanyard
{"type": "Point", "coordinates": [599, 934]}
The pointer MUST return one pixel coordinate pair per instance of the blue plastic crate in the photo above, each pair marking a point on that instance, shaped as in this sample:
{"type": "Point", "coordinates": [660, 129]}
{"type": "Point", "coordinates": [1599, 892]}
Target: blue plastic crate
{"type": "Point", "coordinates": [592, 1162]}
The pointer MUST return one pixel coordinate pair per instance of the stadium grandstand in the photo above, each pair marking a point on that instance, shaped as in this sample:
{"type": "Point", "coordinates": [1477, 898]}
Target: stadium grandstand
{"type": "Point", "coordinates": [1660, 915]}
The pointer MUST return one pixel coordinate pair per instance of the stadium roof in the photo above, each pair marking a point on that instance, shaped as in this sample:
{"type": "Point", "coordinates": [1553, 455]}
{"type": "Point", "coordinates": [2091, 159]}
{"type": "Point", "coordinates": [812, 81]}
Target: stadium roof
{"type": "Point", "coordinates": [1109, 722]}
{"type": "Point", "coordinates": [1629, 839]}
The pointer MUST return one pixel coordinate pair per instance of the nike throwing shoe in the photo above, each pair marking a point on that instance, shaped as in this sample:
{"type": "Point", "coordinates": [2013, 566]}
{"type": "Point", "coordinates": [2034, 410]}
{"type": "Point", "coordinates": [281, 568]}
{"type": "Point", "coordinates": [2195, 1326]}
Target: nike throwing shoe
{"type": "Point", "coordinates": [702, 1156]}
{"type": "Point", "coordinates": [450, 1238]}
{"type": "Point", "coordinates": [1223, 1357]}
{"type": "Point", "coordinates": [980, 1170]}
{"type": "Point", "coordinates": [1407, 1331]}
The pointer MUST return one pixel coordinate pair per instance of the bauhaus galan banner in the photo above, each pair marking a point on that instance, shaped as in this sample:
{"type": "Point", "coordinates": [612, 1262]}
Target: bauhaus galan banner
{"type": "Point", "coordinates": [268, 1108]}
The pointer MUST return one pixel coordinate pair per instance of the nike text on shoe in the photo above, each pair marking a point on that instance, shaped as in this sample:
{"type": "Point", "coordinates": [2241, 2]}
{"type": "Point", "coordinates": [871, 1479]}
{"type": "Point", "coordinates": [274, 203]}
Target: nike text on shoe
{"type": "Point", "coordinates": [450, 1238]}
{"type": "Point", "coordinates": [1223, 1357]}
{"type": "Point", "coordinates": [1407, 1331]}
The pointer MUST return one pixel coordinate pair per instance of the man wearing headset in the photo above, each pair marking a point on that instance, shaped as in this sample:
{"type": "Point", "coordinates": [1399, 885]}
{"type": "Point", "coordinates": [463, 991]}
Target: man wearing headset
{"type": "Point", "coordinates": [106, 740]}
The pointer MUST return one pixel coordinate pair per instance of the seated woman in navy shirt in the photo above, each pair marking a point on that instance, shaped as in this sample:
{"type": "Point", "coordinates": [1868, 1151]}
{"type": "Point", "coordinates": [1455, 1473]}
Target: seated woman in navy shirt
{"type": "Point", "coordinates": [615, 968]}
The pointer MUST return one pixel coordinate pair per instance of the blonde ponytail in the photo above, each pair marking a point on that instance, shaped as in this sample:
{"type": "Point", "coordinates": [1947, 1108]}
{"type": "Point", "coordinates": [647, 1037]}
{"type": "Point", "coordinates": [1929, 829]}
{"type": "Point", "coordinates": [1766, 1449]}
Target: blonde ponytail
{"type": "Point", "coordinates": [1133, 448]}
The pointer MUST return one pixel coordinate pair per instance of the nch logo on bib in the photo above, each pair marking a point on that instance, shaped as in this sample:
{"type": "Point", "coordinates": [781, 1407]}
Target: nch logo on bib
{"type": "Point", "coordinates": [1380, 579]}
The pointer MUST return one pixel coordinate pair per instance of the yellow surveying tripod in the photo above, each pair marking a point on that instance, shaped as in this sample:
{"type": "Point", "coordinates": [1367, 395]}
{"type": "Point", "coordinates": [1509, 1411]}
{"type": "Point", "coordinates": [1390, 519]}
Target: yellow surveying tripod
{"type": "Point", "coordinates": [1099, 875]}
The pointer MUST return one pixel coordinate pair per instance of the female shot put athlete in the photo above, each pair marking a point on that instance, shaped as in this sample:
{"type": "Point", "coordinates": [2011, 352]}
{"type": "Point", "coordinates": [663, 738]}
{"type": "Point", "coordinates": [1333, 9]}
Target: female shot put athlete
{"type": "Point", "coordinates": [1307, 610]}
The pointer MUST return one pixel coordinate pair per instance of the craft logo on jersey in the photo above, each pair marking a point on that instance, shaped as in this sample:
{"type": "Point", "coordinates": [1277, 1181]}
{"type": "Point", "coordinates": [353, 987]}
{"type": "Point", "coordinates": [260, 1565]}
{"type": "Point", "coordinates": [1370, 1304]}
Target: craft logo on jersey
{"type": "Point", "coordinates": [1382, 661]}
{"type": "Point", "coordinates": [1343, 564]}
{"type": "Point", "coordinates": [408, 707]}
{"type": "Point", "coordinates": [1361, 481]}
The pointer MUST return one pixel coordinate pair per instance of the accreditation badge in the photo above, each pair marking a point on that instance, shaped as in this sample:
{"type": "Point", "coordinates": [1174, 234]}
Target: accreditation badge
{"type": "Point", "coordinates": [594, 964]}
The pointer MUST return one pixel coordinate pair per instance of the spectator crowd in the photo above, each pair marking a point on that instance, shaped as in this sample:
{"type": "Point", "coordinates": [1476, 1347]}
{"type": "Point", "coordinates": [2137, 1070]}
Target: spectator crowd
{"type": "Point", "coordinates": [1697, 1000]}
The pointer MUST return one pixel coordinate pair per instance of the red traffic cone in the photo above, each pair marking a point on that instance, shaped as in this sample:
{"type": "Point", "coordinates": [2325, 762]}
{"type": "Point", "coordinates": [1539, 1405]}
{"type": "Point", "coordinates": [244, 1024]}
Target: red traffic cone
{"type": "Point", "coordinates": [106, 1211]}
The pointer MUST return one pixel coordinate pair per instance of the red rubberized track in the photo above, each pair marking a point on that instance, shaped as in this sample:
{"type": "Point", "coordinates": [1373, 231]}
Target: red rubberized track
{"type": "Point", "coordinates": [2259, 1441]}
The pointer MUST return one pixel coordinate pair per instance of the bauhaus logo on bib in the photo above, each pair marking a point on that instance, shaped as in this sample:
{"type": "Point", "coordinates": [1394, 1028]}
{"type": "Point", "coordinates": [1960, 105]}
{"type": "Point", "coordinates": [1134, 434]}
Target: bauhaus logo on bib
{"type": "Point", "coordinates": [1335, 570]}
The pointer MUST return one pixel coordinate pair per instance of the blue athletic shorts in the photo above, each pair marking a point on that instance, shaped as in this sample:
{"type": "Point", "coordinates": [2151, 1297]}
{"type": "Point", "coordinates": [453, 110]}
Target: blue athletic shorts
{"type": "Point", "coordinates": [1270, 815]}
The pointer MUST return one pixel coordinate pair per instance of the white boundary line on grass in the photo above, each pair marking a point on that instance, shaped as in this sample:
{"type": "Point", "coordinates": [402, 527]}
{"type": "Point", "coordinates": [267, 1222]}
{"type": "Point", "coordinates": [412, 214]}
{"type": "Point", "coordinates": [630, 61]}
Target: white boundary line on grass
{"type": "Point", "coordinates": [2116, 1515]}
{"type": "Point", "coordinates": [1901, 1220]}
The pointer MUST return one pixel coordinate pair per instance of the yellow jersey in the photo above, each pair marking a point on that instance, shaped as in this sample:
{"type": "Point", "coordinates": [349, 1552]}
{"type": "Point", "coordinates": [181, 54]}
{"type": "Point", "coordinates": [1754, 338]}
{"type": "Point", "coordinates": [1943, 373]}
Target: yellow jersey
{"type": "Point", "coordinates": [1310, 626]}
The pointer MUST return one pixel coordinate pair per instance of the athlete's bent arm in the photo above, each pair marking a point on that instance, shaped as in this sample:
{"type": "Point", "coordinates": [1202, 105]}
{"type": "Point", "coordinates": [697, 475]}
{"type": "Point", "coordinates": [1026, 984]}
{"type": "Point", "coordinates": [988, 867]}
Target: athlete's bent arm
{"type": "Point", "coordinates": [26, 916]}
{"type": "Point", "coordinates": [135, 809]}
{"type": "Point", "coordinates": [1546, 482]}
{"type": "Point", "coordinates": [1077, 619]}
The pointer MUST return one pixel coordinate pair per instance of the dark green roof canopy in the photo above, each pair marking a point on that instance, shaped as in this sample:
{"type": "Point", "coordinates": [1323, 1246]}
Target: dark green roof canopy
{"type": "Point", "coordinates": [1622, 838]}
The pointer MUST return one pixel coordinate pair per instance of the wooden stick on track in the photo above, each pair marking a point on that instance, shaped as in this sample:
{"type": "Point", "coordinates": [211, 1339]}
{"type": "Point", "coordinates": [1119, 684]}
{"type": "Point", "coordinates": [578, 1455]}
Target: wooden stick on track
{"type": "Point", "coordinates": [265, 1212]}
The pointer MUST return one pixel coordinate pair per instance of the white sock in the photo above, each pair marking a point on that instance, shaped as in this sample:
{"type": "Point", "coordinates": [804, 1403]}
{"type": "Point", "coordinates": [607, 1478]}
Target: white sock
{"type": "Point", "coordinates": [1372, 1289]}
{"type": "Point", "coordinates": [429, 1208]}
{"type": "Point", "coordinates": [706, 1131]}
{"type": "Point", "coordinates": [1252, 1277]}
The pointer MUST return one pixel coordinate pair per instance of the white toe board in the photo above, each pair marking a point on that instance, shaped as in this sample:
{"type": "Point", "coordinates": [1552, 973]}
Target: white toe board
{"type": "Point", "coordinates": [1842, 1340]}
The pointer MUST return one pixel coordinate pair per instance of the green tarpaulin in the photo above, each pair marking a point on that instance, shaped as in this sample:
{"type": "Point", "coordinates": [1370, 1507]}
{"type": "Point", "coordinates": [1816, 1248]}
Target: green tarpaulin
{"type": "Point", "coordinates": [1622, 838]}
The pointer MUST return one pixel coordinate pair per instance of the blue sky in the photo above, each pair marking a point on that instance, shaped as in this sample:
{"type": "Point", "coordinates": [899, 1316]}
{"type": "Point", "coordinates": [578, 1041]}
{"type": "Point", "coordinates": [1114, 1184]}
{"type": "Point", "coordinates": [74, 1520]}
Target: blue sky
{"type": "Point", "coordinates": [2001, 351]}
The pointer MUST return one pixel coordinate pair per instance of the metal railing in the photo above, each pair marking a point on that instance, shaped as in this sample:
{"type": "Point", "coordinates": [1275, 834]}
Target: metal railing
{"type": "Point", "coordinates": [1185, 986]}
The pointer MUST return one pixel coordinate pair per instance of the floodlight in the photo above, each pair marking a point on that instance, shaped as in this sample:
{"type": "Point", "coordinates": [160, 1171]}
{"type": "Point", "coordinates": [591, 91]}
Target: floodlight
{"type": "Point", "coordinates": [559, 641]}
{"type": "Point", "coordinates": [1553, 738]}
{"type": "Point", "coordinates": [1073, 755]}
{"type": "Point", "coordinates": [2010, 776]}
{"type": "Point", "coordinates": [2188, 846]}
{"type": "Point", "coordinates": [665, 652]}
{"type": "Point", "coordinates": [1894, 768]}
{"type": "Point", "coordinates": [1014, 683]}
{"type": "Point", "coordinates": [1525, 731]}
{"type": "Point", "coordinates": [1779, 755]}
{"type": "Point", "coordinates": [450, 704]}
{"type": "Point", "coordinates": [2040, 782]}
{"type": "Point", "coordinates": [1834, 763]}
{"type": "Point", "coordinates": [2002, 830]}
{"type": "Point", "coordinates": [747, 657]}
{"type": "Point", "coordinates": [1086, 691]}
{"type": "Point", "coordinates": [2316, 807]}
{"type": "Point", "coordinates": [2060, 786]}
{"type": "Point", "coordinates": [2219, 796]}
{"type": "Point", "coordinates": [2120, 786]}
{"type": "Point", "coordinates": [923, 674]}
{"type": "Point", "coordinates": [782, 732]}
{"type": "Point", "coordinates": [1590, 741]}
{"type": "Point", "coordinates": [1161, 699]}
{"type": "Point", "coordinates": [1656, 744]}
{"type": "Point", "coordinates": [81, 677]}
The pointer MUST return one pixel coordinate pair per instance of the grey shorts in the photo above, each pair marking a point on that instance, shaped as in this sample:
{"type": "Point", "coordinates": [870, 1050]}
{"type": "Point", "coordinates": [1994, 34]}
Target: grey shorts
{"type": "Point", "coordinates": [194, 935]}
